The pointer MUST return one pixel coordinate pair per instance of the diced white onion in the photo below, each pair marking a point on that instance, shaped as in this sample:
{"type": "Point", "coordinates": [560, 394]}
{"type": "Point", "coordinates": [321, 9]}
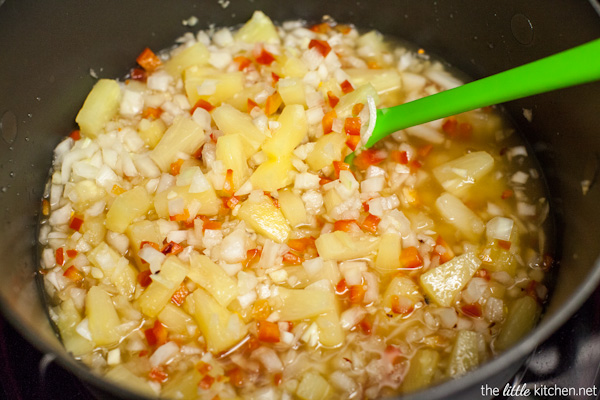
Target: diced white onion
{"type": "Point", "coordinates": [313, 266]}
{"type": "Point", "coordinates": [164, 354]}
{"type": "Point", "coordinates": [499, 228]}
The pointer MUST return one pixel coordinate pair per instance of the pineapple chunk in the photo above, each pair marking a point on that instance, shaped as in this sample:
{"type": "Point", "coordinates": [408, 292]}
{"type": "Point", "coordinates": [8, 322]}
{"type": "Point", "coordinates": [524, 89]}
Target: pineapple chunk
{"type": "Point", "coordinates": [134, 203]}
{"type": "Point", "coordinates": [177, 321]}
{"type": "Point", "coordinates": [290, 66]}
{"type": "Point", "coordinates": [258, 29]}
{"type": "Point", "coordinates": [273, 174]}
{"type": "Point", "coordinates": [330, 272]}
{"type": "Point", "coordinates": [151, 131]}
{"type": "Point", "coordinates": [404, 288]}
{"type": "Point", "coordinates": [292, 130]}
{"type": "Point", "coordinates": [341, 246]}
{"type": "Point", "coordinates": [196, 54]}
{"type": "Point", "coordinates": [220, 327]}
{"type": "Point", "coordinates": [102, 317]}
{"type": "Point", "coordinates": [292, 207]}
{"type": "Point", "coordinates": [68, 319]}
{"type": "Point", "coordinates": [332, 199]}
{"type": "Point", "coordinates": [327, 150]}
{"type": "Point", "coordinates": [496, 258]}
{"type": "Point", "coordinates": [184, 136]}
{"type": "Point", "coordinates": [383, 80]}
{"type": "Point", "coordinates": [164, 284]}
{"type": "Point", "coordinates": [205, 203]}
{"type": "Point", "coordinates": [93, 230]}
{"type": "Point", "coordinates": [313, 387]}
{"type": "Point", "coordinates": [100, 106]}
{"type": "Point", "coordinates": [240, 99]}
{"type": "Point", "coordinates": [182, 386]}
{"type": "Point", "coordinates": [422, 369]}
{"type": "Point", "coordinates": [211, 84]}
{"type": "Point", "coordinates": [213, 279]}
{"type": "Point", "coordinates": [458, 175]}
{"type": "Point", "coordinates": [460, 216]}
{"type": "Point", "coordinates": [331, 333]}
{"type": "Point", "coordinates": [122, 376]}
{"type": "Point", "coordinates": [231, 120]}
{"type": "Point", "coordinates": [143, 231]}
{"type": "Point", "coordinates": [444, 282]}
{"type": "Point", "coordinates": [231, 152]}
{"type": "Point", "coordinates": [298, 304]}
{"type": "Point", "coordinates": [87, 193]}
{"type": "Point", "coordinates": [465, 353]}
{"type": "Point", "coordinates": [522, 316]}
{"type": "Point", "coordinates": [292, 91]}
{"type": "Point", "coordinates": [265, 218]}
{"type": "Point", "coordinates": [344, 108]}
{"type": "Point", "coordinates": [388, 254]}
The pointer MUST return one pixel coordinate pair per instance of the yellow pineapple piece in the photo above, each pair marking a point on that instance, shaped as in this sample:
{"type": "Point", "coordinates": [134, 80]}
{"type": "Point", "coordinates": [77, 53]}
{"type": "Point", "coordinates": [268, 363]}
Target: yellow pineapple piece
{"type": "Point", "coordinates": [211, 85]}
{"type": "Point", "coordinates": [273, 174]}
{"type": "Point", "coordinates": [344, 108]}
{"type": "Point", "coordinates": [204, 203]}
{"type": "Point", "coordinates": [102, 317]}
{"type": "Point", "coordinates": [151, 131]}
{"type": "Point", "coordinates": [423, 366]}
{"type": "Point", "coordinates": [231, 152]}
{"type": "Point", "coordinates": [231, 120]}
{"type": "Point", "coordinates": [196, 54]}
{"type": "Point", "coordinates": [465, 353]}
{"type": "Point", "coordinates": [388, 254]}
{"type": "Point", "coordinates": [143, 231]}
{"type": "Point", "coordinates": [100, 106]}
{"type": "Point", "coordinates": [460, 216]}
{"type": "Point", "coordinates": [522, 316]}
{"type": "Point", "coordinates": [177, 321]}
{"type": "Point", "coordinates": [460, 174]}
{"type": "Point", "coordinates": [292, 207]}
{"type": "Point", "coordinates": [184, 136]}
{"type": "Point", "coordinates": [331, 333]}
{"type": "Point", "coordinates": [340, 245]}
{"type": "Point", "coordinates": [213, 279]}
{"type": "Point", "coordinates": [163, 286]}
{"type": "Point", "coordinates": [313, 387]}
{"type": "Point", "coordinates": [121, 273]}
{"type": "Point", "coordinates": [383, 80]}
{"type": "Point", "coordinates": [406, 290]}
{"type": "Point", "coordinates": [298, 304]}
{"type": "Point", "coordinates": [258, 29]}
{"type": "Point", "coordinates": [132, 204]}
{"type": "Point", "coordinates": [292, 130]}
{"type": "Point", "coordinates": [291, 91]}
{"type": "Point", "coordinates": [327, 149]}
{"type": "Point", "coordinates": [265, 218]}
{"type": "Point", "coordinates": [123, 376]}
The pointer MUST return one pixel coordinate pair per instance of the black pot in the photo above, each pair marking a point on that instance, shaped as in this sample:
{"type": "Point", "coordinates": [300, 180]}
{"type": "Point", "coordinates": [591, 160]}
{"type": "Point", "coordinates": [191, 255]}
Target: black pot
{"type": "Point", "coordinates": [48, 48]}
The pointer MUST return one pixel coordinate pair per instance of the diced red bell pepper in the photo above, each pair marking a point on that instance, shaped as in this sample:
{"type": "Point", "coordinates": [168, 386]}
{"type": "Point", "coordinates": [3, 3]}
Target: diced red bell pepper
{"type": "Point", "coordinates": [410, 258]}
{"type": "Point", "coordinates": [148, 60]}
{"type": "Point", "coordinates": [370, 223]}
{"type": "Point", "coordinates": [347, 87]}
{"type": "Point", "coordinates": [328, 121]}
{"type": "Point", "coordinates": [369, 157]}
{"type": "Point", "coordinates": [352, 126]}
{"type": "Point", "coordinates": [268, 332]}
{"type": "Point", "coordinates": [321, 45]}
{"type": "Point", "coordinates": [332, 99]}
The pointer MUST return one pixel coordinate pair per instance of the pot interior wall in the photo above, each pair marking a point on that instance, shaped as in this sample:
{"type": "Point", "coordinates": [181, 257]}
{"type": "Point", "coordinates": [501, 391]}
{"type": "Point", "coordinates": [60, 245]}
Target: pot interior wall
{"type": "Point", "coordinates": [48, 49]}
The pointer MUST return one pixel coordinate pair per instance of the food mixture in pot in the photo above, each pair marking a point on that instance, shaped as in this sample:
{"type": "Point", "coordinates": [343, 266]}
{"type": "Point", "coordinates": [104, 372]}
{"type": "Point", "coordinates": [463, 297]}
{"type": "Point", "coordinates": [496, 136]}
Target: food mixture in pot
{"type": "Point", "coordinates": [204, 238]}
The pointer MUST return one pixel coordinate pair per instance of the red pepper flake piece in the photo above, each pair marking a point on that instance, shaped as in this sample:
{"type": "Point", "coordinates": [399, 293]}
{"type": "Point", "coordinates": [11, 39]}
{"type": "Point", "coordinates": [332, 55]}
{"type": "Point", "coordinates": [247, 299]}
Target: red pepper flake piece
{"type": "Point", "coordinates": [231, 202]}
{"type": "Point", "coordinates": [323, 27]}
{"type": "Point", "coordinates": [343, 29]}
{"type": "Point", "coordinates": [465, 130]}
{"type": "Point", "coordinates": [352, 126]}
{"type": "Point", "coordinates": [273, 103]}
{"type": "Point", "coordinates": [275, 77]}
{"type": "Point", "coordinates": [424, 150]}
{"type": "Point", "coordinates": [152, 112]}
{"type": "Point", "coordinates": [72, 253]}
{"type": "Point", "coordinates": [209, 223]}
{"type": "Point", "coordinates": [204, 368]}
{"type": "Point", "coordinates": [373, 65]}
{"type": "Point", "coordinates": [76, 223]}
{"type": "Point", "coordinates": [206, 382]}
{"type": "Point", "coordinates": [302, 244]}
{"type": "Point", "coordinates": [148, 243]}
{"type": "Point", "coordinates": [325, 181]}
{"type": "Point", "coordinates": [410, 258]}
{"type": "Point", "coordinates": [332, 99]}
{"type": "Point", "coordinates": [506, 194]}
{"type": "Point", "coordinates": [290, 258]}
{"type": "Point", "coordinates": [483, 273]}
{"type": "Point", "coordinates": [472, 310]}
{"type": "Point", "coordinates": [148, 60]}
{"type": "Point", "coordinates": [175, 167]}
{"type": "Point", "coordinates": [236, 376]}
{"type": "Point", "coordinates": [138, 74]}
{"type": "Point", "coordinates": [328, 121]}
{"type": "Point", "coordinates": [201, 103]}
{"type": "Point", "coordinates": [366, 326]}
{"type": "Point", "coordinates": [448, 254]}
{"type": "Point", "coordinates": [504, 244]}
{"type": "Point", "coordinates": [450, 126]}
{"type": "Point", "coordinates": [251, 256]}
{"type": "Point", "coordinates": [278, 378]}
{"type": "Point", "coordinates": [347, 87]}
{"type": "Point", "coordinates": [402, 305]}
{"type": "Point", "coordinates": [369, 157]}
{"type": "Point", "coordinates": [321, 45]}
{"type": "Point", "coordinates": [341, 287]}
{"type": "Point", "coordinates": [75, 135]}
{"type": "Point", "coordinates": [144, 279]}
{"type": "Point", "coordinates": [352, 142]}
{"type": "Point", "coordinates": [547, 261]}
{"type": "Point", "coordinates": [184, 216]}
{"type": "Point", "coordinates": [251, 104]}
{"type": "Point", "coordinates": [370, 223]}
{"type": "Point", "coordinates": [357, 293]}
{"type": "Point", "coordinates": [243, 62]}
{"type": "Point", "coordinates": [228, 184]}
{"type": "Point", "coordinates": [59, 255]}
{"type": "Point", "coordinates": [117, 190]}
{"type": "Point", "coordinates": [346, 225]}
{"type": "Point", "coordinates": [143, 353]}
{"type": "Point", "coordinates": [158, 375]}
{"type": "Point", "coordinates": [268, 332]}
{"type": "Point", "coordinates": [172, 248]}
{"type": "Point", "coordinates": [414, 165]}
{"type": "Point", "coordinates": [265, 57]}
{"type": "Point", "coordinates": [73, 274]}
{"type": "Point", "coordinates": [340, 166]}
{"type": "Point", "coordinates": [401, 157]}
{"type": "Point", "coordinates": [180, 294]}
{"type": "Point", "coordinates": [357, 108]}
{"type": "Point", "coordinates": [157, 335]}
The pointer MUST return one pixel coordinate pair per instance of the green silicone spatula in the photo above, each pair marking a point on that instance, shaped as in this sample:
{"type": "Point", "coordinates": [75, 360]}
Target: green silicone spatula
{"type": "Point", "coordinates": [568, 68]}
